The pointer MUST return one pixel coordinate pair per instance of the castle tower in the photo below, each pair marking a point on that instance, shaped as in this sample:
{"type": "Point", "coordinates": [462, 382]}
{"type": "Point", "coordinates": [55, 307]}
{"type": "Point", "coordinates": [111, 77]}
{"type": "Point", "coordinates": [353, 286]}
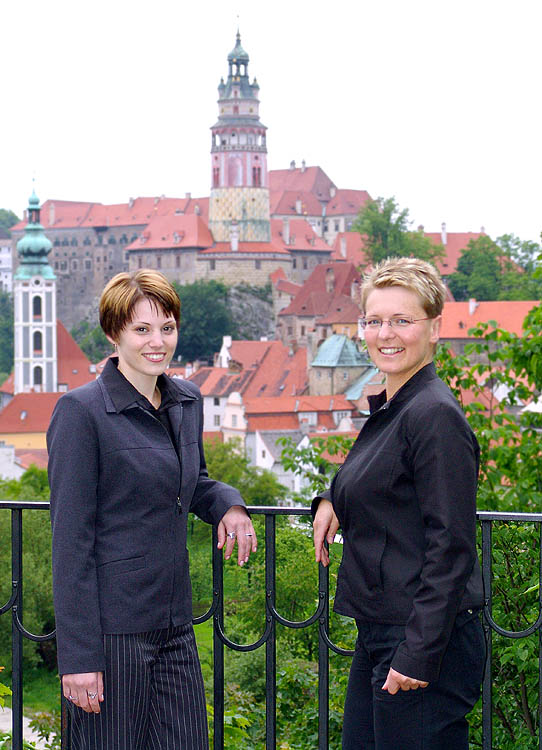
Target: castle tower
{"type": "Point", "coordinates": [240, 188]}
{"type": "Point", "coordinates": [34, 296]}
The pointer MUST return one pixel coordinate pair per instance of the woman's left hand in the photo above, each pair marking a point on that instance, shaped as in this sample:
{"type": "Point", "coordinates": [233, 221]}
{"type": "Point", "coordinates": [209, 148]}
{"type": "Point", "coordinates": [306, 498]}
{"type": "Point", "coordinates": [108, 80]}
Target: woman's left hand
{"type": "Point", "coordinates": [396, 681]}
{"type": "Point", "coordinates": [236, 524]}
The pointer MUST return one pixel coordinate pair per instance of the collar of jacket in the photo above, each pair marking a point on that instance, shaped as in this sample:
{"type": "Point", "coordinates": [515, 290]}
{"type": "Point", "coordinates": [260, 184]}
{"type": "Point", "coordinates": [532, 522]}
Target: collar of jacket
{"type": "Point", "coordinates": [120, 394]}
{"type": "Point", "coordinates": [413, 385]}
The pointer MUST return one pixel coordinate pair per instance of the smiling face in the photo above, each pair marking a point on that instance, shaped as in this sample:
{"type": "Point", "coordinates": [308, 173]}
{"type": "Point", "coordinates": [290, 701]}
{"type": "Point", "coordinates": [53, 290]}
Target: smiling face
{"type": "Point", "coordinates": [399, 352]}
{"type": "Point", "coordinates": [146, 344]}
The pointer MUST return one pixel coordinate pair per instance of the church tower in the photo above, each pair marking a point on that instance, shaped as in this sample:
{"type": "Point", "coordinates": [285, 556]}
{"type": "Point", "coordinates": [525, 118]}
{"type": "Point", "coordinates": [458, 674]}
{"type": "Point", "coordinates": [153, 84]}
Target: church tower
{"type": "Point", "coordinates": [239, 203]}
{"type": "Point", "coordinates": [34, 295]}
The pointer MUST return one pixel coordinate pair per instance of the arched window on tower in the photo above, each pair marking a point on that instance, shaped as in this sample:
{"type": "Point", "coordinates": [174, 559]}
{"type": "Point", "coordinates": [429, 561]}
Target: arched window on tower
{"type": "Point", "coordinates": [38, 378]}
{"type": "Point", "coordinates": [235, 109]}
{"type": "Point", "coordinates": [256, 176]}
{"type": "Point", "coordinates": [36, 308]}
{"type": "Point", "coordinates": [37, 343]}
{"type": "Point", "coordinates": [216, 177]}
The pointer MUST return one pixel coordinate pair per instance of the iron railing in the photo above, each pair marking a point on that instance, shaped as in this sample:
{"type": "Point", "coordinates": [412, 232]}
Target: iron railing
{"type": "Point", "coordinates": [268, 637]}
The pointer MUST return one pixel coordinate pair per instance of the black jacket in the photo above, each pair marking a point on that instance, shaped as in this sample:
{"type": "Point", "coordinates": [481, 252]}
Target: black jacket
{"type": "Point", "coordinates": [406, 501]}
{"type": "Point", "coordinates": [120, 495]}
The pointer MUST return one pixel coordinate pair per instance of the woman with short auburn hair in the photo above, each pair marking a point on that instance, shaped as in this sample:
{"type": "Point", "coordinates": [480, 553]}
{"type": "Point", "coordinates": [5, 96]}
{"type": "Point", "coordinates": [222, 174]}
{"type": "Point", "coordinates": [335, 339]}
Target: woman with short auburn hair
{"type": "Point", "coordinates": [126, 466]}
{"type": "Point", "coordinates": [405, 500]}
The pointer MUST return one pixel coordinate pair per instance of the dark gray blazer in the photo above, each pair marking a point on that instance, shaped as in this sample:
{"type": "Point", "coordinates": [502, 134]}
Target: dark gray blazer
{"type": "Point", "coordinates": [120, 496]}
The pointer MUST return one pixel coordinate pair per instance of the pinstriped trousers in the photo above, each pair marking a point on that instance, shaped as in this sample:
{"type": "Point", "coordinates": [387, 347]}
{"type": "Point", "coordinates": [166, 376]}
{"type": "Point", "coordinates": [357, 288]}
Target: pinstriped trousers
{"type": "Point", "coordinates": [153, 695]}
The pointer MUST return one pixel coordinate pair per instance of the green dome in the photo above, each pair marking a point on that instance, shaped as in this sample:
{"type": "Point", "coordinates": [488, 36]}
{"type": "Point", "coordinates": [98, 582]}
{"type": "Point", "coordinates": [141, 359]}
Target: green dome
{"type": "Point", "coordinates": [238, 53]}
{"type": "Point", "coordinates": [34, 247]}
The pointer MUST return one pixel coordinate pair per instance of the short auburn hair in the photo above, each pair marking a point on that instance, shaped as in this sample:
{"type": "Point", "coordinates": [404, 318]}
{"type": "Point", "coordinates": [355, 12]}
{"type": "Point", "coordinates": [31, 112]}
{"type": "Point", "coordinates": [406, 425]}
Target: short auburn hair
{"type": "Point", "coordinates": [414, 274]}
{"type": "Point", "coordinates": [122, 293]}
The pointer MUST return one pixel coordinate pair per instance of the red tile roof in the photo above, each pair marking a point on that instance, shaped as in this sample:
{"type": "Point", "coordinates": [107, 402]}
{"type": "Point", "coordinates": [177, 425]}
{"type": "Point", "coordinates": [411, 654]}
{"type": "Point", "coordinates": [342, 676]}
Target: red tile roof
{"type": "Point", "coordinates": [26, 457]}
{"type": "Point", "coordinates": [309, 179]}
{"type": "Point", "coordinates": [73, 364]}
{"type": "Point", "coordinates": [8, 386]}
{"type": "Point", "coordinates": [272, 422]}
{"type": "Point", "coordinates": [342, 310]}
{"type": "Point", "coordinates": [353, 244]}
{"type": "Point", "coordinates": [313, 299]}
{"type": "Point", "coordinates": [28, 412]}
{"type": "Point", "coordinates": [220, 381]}
{"type": "Point", "coordinates": [286, 202]}
{"type": "Point", "coordinates": [347, 202]}
{"type": "Point", "coordinates": [456, 242]}
{"type": "Point", "coordinates": [457, 318]}
{"type": "Point", "coordinates": [296, 404]}
{"type": "Point", "coordinates": [172, 231]}
{"type": "Point", "coordinates": [302, 236]}
{"type": "Point", "coordinates": [280, 371]}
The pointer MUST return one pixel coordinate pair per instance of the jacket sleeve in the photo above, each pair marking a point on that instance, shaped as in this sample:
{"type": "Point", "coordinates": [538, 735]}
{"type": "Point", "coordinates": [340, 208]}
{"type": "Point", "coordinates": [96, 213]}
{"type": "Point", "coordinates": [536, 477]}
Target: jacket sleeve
{"type": "Point", "coordinates": [444, 460]}
{"type": "Point", "coordinates": [211, 499]}
{"type": "Point", "coordinates": [73, 478]}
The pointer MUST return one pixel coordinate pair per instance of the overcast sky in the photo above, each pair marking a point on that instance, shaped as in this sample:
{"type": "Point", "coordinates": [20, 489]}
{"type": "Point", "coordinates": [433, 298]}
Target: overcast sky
{"type": "Point", "coordinates": [435, 102]}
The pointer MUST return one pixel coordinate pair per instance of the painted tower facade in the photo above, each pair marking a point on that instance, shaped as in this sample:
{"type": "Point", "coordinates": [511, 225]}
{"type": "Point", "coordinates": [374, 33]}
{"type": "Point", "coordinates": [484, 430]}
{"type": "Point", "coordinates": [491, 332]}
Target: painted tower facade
{"type": "Point", "coordinates": [239, 202]}
{"type": "Point", "coordinates": [34, 296]}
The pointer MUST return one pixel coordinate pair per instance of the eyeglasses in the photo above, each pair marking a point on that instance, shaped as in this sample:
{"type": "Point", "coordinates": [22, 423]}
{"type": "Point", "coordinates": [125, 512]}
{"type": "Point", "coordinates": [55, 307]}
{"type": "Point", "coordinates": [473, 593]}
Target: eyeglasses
{"type": "Point", "coordinates": [373, 324]}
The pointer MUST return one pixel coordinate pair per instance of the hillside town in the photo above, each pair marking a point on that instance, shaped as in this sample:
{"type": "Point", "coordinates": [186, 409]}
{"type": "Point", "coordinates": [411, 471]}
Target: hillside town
{"type": "Point", "coordinates": [292, 229]}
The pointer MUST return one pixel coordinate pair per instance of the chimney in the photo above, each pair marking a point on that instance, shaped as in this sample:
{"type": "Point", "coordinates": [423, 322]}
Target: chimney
{"type": "Point", "coordinates": [286, 231]}
{"type": "Point", "coordinates": [443, 236]}
{"type": "Point", "coordinates": [188, 196]}
{"type": "Point", "coordinates": [420, 228]}
{"type": "Point", "coordinates": [354, 291]}
{"type": "Point", "coordinates": [292, 165]}
{"type": "Point", "coordinates": [298, 206]}
{"type": "Point", "coordinates": [234, 237]}
{"type": "Point", "coordinates": [303, 165]}
{"type": "Point", "coordinates": [343, 246]}
{"type": "Point", "coordinates": [472, 306]}
{"type": "Point", "coordinates": [197, 209]}
{"type": "Point", "coordinates": [330, 280]}
{"type": "Point", "coordinates": [130, 203]}
{"type": "Point", "coordinates": [51, 214]}
{"type": "Point", "coordinates": [482, 230]}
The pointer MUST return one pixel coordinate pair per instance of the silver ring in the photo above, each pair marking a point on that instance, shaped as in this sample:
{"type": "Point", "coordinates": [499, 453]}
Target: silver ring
{"type": "Point", "coordinates": [71, 698]}
{"type": "Point", "coordinates": [248, 534]}
{"type": "Point", "coordinates": [91, 695]}
{"type": "Point", "coordinates": [231, 534]}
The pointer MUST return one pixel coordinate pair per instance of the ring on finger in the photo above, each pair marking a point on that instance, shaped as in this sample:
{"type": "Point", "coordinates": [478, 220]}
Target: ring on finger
{"type": "Point", "coordinates": [248, 534]}
{"type": "Point", "coordinates": [91, 695]}
{"type": "Point", "coordinates": [71, 698]}
{"type": "Point", "coordinates": [231, 534]}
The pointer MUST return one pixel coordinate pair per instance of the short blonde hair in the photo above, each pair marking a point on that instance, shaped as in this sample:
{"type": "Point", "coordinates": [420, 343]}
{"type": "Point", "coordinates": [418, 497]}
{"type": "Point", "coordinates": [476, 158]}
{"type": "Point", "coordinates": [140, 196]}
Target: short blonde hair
{"type": "Point", "coordinates": [414, 274]}
{"type": "Point", "coordinates": [122, 293]}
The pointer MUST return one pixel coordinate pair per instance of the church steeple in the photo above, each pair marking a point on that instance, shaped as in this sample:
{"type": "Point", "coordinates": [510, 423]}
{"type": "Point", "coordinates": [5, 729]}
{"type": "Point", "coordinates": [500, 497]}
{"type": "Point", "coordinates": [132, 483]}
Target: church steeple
{"type": "Point", "coordinates": [34, 296]}
{"type": "Point", "coordinates": [239, 179]}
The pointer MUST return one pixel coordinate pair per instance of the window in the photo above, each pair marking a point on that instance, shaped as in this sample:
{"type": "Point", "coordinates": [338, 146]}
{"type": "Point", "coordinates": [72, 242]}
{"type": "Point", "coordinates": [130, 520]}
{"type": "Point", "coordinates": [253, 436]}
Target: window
{"type": "Point", "coordinates": [337, 225]}
{"type": "Point", "coordinates": [257, 176]}
{"type": "Point", "coordinates": [216, 401]}
{"type": "Point", "coordinates": [88, 265]}
{"type": "Point", "coordinates": [177, 261]}
{"type": "Point", "coordinates": [216, 420]}
{"type": "Point", "coordinates": [36, 308]}
{"type": "Point", "coordinates": [74, 264]}
{"type": "Point", "coordinates": [86, 241]}
{"type": "Point", "coordinates": [158, 261]}
{"type": "Point", "coordinates": [304, 264]}
{"type": "Point", "coordinates": [290, 330]}
{"type": "Point", "coordinates": [212, 265]}
{"type": "Point", "coordinates": [37, 341]}
{"type": "Point", "coordinates": [294, 263]}
{"type": "Point", "coordinates": [257, 264]}
{"type": "Point", "coordinates": [302, 330]}
{"type": "Point", "coordinates": [216, 176]}
{"type": "Point", "coordinates": [345, 375]}
{"type": "Point", "coordinates": [112, 240]}
{"type": "Point", "coordinates": [234, 420]}
{"type": "Point", "coordinates": [74, 242]}
{"type": "Point", "coordinates": [264, 454]}
{"type": "Point", "coordinates": [38, 376]}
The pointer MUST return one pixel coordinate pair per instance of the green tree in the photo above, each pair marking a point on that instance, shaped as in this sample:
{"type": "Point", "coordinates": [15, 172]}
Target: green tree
{"type": "Point", "coordinates": [6, 335]}
{"type": "Point", "coordinates": [386, 230]}
{"type": "Point", "coordinates": [7, 219]}
{"type": "Point", "coordinates": [205, 319]}
{"type": "Point", "coordinates": [92, 340]}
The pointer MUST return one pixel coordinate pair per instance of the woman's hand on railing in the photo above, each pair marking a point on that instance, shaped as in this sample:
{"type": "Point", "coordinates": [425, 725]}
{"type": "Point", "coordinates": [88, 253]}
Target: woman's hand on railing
{"type": "Point", "coordinates": [325, 526]}
{"type": "Point", "coordinates": [236, 524]}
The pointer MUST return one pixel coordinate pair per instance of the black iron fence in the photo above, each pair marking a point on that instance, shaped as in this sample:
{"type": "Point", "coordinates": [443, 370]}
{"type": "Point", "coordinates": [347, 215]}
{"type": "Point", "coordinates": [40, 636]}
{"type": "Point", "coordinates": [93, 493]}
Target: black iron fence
{"type": "Point", "coordinates": [268, 638]}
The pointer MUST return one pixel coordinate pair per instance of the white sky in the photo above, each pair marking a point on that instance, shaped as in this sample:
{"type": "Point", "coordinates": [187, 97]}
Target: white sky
{"type": "Point", "coordinates": [436, 102]}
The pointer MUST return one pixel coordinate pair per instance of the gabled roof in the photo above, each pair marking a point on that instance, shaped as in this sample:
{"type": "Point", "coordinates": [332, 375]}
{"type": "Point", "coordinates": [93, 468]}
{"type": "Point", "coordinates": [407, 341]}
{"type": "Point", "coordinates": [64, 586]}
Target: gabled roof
{"type": "Point", "coordinates": [302, 236]}
{"type": "Point", "coordinates": [343, 309]}
{"type": "Point", "coordinates": [353, 244]}
{"type": "Point", "coordinates": [172, 231]}
{"type": "Point", "coordinates": [248, 353]}
{"type": "Point", "coordinates": [59, 214]}
{"type": "Point", "coordinates": [310, 179]}
{"type": "Point", "coordinates": [280, 371]}
{"type": "Point", "coordinates": [459, 317]}
{"type": "Point", "coordinates": [347, 202]}
{"type": "Point", "coordinates": [270, 437]}
{"type": "Point", "coordinates": [220, 381]}
{"type": "Point", "coordinates": [313, 299]}
{"type": "Point", "coordinates": [27, 457]}
{"type": "Point", "coordinates": [73, 363]}
{"type": "Point", "coordinates": [296, 404]}
{"type": "Point", "coordinates": [286, 202]}
{"type": "Point", "coordinates": [339, 351]}
{"type": "Point", "coordinates": [28, 412]}
{"type": "Point", "coordinates": [455, 243]}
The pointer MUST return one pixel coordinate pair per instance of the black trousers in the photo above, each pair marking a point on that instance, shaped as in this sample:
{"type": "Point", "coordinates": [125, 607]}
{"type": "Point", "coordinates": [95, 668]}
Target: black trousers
{"type": "Point", "coordinates": [431, 718]}
{"type": "Point", "coordinates": [153, 695]}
